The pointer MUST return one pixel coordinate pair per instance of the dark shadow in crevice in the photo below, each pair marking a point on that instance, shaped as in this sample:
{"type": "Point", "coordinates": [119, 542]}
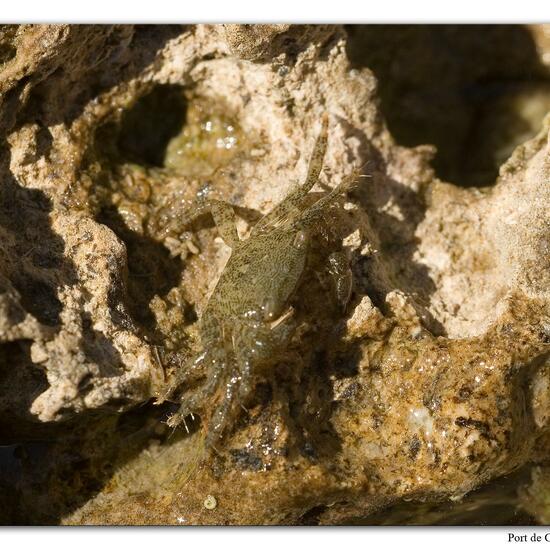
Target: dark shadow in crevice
{"type": "Point", "coordinates": [44, 141]}
{"type": "Point", "coordinates": [394, 266]}
{"type": "Point", "coordinates": [146, 128]}
{"type": "Point", "coordinates": [35, 262]}
{"type": "Point", "coordinates": [448, 85]}
{"type": "Point", "coordinates": [7, 53]}
{"type": "Point", "coordinates": [311, 517]}
{"type": "Point", "coordinates": [151, 269]}
{"type": "Point", "coordinates": [496, 503]}
{"type": "Point", "coordinates": [51, 476]}
{"type": "Point", "coordinates": [8, 50]}
{"type": "Point", "coordinates": [311, 408]}
{"type": "Point", "coordinates": [21, 382]}
{"type": "Point", "coordinates": [99, 349]}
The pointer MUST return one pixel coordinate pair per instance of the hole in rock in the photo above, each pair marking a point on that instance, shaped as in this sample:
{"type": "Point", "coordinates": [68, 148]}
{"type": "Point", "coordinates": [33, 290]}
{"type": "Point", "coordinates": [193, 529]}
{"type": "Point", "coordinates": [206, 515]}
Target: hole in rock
{"type": "Point", "coordinates": [147, 128]}
{"type": "Point", "coordinates": [474, 91]}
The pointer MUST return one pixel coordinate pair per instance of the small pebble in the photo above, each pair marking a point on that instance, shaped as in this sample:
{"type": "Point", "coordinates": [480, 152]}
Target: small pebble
{"type": "Point", "coordinates": [210, 502]}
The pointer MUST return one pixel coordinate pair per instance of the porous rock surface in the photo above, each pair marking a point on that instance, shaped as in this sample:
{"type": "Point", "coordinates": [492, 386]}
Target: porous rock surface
{"type": "Point", "coordinates": [430, 384]}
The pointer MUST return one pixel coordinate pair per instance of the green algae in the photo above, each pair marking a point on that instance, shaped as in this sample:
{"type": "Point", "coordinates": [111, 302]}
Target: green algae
{"type": "Point", "coordinates": [208, 141]}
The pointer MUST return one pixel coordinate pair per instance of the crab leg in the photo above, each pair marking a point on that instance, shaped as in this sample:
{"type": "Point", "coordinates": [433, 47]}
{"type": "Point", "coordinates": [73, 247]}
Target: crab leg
{"type": "Point", "coordinates": [224, 217]}
{"type": "Point", "coordinates": [222, 212]}
{"type": "Point", "coordinates": [318, 208]}
{"type": "Point", "coordinates": [221, 414]}
{"type": "Point", "coordinates": [195, 402]}
{"type": "Point", "coordinates": [293, 199]}
{"type": "Point", "coordinates": [182, 374]}
{"type": "Point", "coordinates": [342, 277]}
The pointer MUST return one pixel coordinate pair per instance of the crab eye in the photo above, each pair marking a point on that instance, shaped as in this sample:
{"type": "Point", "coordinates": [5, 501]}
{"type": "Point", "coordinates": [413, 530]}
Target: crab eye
{"type": "Point", "coordinates": [300, 240]}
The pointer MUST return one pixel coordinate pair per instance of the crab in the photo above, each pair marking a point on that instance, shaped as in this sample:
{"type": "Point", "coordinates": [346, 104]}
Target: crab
{"type": "Point", "coordinates": [247, 320]}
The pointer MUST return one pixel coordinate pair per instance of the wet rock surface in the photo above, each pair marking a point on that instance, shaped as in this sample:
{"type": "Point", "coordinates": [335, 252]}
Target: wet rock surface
{"type": "Point", "coordinates": [409, 406]}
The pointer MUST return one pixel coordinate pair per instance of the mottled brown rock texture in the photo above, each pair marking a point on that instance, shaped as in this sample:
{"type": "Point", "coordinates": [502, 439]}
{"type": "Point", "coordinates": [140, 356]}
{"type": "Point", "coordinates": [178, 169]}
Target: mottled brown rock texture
{"type": "Point", "coordinates": [432, 382]}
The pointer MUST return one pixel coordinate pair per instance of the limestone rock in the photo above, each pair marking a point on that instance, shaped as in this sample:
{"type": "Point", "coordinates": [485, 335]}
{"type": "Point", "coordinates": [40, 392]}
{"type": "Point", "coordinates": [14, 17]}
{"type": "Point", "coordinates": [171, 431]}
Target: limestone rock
{"type": "Point", "coordinates": [432, 383]}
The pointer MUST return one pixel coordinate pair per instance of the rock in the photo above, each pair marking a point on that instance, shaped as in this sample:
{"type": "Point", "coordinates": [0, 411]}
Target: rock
{"type": "Point", "coordinates": [264, 42]}
{"type": "Point", "coordinates": [535, 497]}
{"type": "Point", "coordinates": [431, 384]}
